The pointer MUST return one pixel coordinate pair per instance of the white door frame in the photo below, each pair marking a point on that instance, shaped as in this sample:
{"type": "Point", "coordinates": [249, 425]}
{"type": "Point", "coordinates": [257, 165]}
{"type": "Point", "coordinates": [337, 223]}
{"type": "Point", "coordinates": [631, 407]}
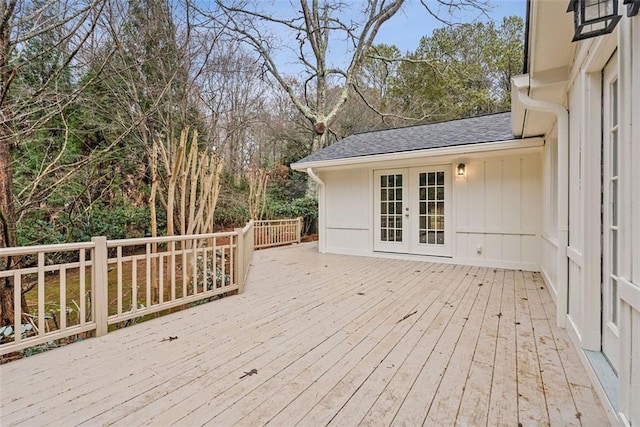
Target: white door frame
{"type": "Point", "coordinates": [400, 226]}
{"type": "Point", "coordinates": [610, 211]}
{"type": "Point", "coordinates": [430, 214]}
{"type": "Point", "coordinates": [409, 227]}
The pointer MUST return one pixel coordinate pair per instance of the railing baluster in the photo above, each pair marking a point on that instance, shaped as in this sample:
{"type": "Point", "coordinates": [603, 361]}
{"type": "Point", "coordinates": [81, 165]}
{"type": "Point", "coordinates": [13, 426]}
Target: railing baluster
{"type": "Point", "coordinates": [184, 268]}
{"type": "Point", "coordinates": [215, 263]}
{"type": "Point", "coordinates": [223, 266]}
{"type": "Point", "coordinates": [237, 273]}
{"type": "Point", "coordinates": [232, 255]}
{"type": "Point", "coordinates": [82, 295]}
{"type": "Point", "coordinates": [173, 270]}
{"type": "Point", "coordinates": [147, 263]}
{"type": "Point", "coordinates": [134, 285]}
{"type": "Point", "coordinates": [17, 306]}
{"type": "Point", "coordinates": [119, 275]}
{"type": "Point", "coordinates": [41, 319]}
{"type": "Point", "coordinates": [204, 266]}
{"type": "Point", "coordinates": [160, 277]}
{"type": "Point", "coordinates": [63, 298]}
{"type": "Point", "coordinates": [194, 272]}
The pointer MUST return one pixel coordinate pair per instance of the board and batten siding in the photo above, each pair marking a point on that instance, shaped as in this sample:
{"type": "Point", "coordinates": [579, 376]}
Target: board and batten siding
{"type": "Point", "coordinates": [498, 211]}
{"type": "Point", "coordinates": [496, 206]}
{"type": "Point", "coordinates": [549, 238]}
{"type": "Point", "coordinates": [349, 203]}
{"type": "Point", "coordinates": [584, 100]}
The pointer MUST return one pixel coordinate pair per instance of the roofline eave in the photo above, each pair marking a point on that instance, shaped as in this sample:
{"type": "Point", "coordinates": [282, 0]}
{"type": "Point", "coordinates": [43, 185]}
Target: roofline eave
{"type": "Point", "coordinates": [511, 144]}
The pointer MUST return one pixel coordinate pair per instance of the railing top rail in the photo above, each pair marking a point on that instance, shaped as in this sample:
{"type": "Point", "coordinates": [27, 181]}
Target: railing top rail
{"type": "Point", "coordinates": [165, 239]}
{"type": "Point", "coordinates": [266, 221]}
{"type": "Point", "coordinates": [60, 247]}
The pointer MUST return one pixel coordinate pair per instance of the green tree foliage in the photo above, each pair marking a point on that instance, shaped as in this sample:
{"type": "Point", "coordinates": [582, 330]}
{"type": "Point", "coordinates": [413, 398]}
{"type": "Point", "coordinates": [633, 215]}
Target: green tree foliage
{"type": "Point", "coordinates": [456, 72]}
{"type": "Point", "coordinates": [82, 167]}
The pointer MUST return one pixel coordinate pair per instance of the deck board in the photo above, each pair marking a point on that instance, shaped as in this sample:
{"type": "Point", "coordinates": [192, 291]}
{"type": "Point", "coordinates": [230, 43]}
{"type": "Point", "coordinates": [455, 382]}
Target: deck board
{"type": "Point", "coordinates": [479, 347]}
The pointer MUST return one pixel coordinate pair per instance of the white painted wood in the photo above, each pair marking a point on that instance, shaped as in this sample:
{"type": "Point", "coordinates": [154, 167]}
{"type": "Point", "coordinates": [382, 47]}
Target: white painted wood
{"type": "Point", "coordinates": [416, 198]}
{"type": "Point", "coordinates": [392, 229]}
{"type": "Point", "coordinates": [269, 233]}
{"type": "Point", "coordinates": [586, 62]}
{"type": "Point", "coordinates": [99, 285]}
{"type": "Point", "coordinates": [611, 219]}
{"type": "Point", "coordinates": [507, 201]}
{"type": "Point", "coordinates": [41, 284]}
{"type": "Point", "coordinates": [108, 284]}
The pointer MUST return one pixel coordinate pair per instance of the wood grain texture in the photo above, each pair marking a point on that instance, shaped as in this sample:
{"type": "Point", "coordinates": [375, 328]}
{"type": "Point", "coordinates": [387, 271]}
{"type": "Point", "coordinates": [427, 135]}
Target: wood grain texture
{"type": "Point", "coordinates": [335, 340]}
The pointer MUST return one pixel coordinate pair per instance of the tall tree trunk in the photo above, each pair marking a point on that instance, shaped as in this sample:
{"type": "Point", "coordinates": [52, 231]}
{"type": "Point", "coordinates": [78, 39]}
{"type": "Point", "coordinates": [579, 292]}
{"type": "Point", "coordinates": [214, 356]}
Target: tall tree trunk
{"type": "Point", "coordinates": [320, 141]}
{"type": "Point", "coordinates": [8, 236]}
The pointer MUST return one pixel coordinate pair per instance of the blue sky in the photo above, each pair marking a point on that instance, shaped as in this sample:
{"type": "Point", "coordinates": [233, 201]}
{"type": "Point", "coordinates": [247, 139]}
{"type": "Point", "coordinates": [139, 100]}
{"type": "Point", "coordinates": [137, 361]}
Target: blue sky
{"type": "Point", "coordinates": [403, 30]}
{"type": "Point", "coordinates": [412, 22]}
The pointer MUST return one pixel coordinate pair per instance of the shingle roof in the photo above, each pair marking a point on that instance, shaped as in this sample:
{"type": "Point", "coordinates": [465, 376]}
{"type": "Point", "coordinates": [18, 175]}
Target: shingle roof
{"type": "Point", "coordinates": [475, 130]}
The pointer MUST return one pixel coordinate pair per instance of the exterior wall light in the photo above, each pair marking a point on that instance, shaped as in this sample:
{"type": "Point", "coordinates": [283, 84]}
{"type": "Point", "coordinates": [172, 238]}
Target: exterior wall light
{"type": "Point", "coordinates": [593, 18]}
{"type": "Point", "coordinates": [633, 6]}
{"type": "Point", "coordinates": [461, 169]}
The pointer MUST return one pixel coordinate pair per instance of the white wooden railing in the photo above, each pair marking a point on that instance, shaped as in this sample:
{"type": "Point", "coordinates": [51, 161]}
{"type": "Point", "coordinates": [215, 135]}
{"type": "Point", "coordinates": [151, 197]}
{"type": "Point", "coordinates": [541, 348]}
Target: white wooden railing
{"type": "Point", "coordinates": [109, 282]}
{"type": "Point", "coordinates": [277, 232]}
{"type": "Point", "coordinates": [41, 274]}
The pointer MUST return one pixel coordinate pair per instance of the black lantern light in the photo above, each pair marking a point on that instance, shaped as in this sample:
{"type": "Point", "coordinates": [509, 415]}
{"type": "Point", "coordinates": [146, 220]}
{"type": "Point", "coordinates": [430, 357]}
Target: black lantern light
{"type": "Point", "coordinates": [593, 18]}
{"type": "Point", "coordinates": [633, 6]}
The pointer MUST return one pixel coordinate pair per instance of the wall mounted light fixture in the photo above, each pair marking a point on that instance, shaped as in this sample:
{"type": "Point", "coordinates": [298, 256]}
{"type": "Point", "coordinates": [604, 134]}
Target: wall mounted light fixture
{"type": "Point", "coordinates": [461, 169]}
{"type": "Point", "coordinates": [592, 18]}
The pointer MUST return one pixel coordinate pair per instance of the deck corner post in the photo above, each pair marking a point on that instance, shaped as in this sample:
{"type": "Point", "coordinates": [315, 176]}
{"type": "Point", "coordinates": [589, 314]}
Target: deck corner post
{"type": "Point", "coordinates": [300, 219]}
{"type": "Point", "coordinates": [100, 296]}
{"type": "Point", "coordinates": [239, 259]}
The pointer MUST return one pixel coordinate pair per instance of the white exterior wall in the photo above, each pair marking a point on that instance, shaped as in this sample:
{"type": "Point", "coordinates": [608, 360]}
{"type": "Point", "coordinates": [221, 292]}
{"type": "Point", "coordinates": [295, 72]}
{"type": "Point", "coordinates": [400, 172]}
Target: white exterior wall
{"type": "Point", "coordinates": [348, 211]}
{"type": "Point", "coordinates": [583, 100]}
{"type": "Point", "coordinates": [629, 375]}
{"type": "Point", "coordinates": [496, 207]}
{"type": "Point", "coordinates": [549, 241]}
{"type": "Point", "coordinates": [575, 250]}
{"type": "Point", "coordinates": [498, 212]}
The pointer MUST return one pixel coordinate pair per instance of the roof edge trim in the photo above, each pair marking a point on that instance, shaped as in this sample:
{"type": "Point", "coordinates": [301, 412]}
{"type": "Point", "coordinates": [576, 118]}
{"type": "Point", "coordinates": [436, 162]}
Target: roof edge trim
{"type": "Point", "coordinates": [512, 144]}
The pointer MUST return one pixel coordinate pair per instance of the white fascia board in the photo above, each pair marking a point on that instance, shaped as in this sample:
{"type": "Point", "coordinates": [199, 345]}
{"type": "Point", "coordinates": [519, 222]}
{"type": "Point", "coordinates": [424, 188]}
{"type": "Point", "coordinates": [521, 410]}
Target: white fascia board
{"type": "Point", "coordinates": [518, 109]}
{"type": "Point", "coordinates": [513, 144]}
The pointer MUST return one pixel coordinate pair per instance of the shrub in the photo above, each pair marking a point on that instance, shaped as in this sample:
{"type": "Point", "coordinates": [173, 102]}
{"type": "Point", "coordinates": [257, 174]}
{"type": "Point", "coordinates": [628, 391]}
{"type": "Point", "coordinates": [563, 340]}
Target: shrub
{"type": "Point", "coordinates": [306, 207]}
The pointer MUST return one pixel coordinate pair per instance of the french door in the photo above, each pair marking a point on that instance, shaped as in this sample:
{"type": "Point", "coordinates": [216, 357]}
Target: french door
{"type": "Point", "coordinates": [610, 212]}
{"type": "Point", "coordinates": [413, 210]}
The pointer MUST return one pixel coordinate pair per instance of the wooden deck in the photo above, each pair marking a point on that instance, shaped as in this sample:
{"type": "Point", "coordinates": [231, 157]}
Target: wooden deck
{"type": "Point", "coordinates": [335, 340]}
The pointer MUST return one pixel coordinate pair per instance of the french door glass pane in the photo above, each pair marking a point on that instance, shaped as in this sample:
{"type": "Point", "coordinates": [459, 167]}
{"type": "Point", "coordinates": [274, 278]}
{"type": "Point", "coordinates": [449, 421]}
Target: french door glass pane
{"type": "Point", "coordinates": [431, 196]}
{"type": "Point", "coordinates": [391, 208]}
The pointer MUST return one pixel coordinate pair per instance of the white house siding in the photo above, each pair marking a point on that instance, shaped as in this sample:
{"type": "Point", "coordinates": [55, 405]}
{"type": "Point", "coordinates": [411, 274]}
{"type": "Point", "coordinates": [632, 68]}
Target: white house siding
{"type": "Point", "coordinates": [348, 206]}
{"type": "Point", "coordinates": [549, 240]}
{"type": "Point", "coordinates": [498, 211]}
{"type": "Point", "coordinates": [496, 207]}
{"type": "Point", "coordinates": [575, 250]}
{"type": "Point", "coordinates": [630, 251]}
{"type": "Point", "coordinates": [583, 101]}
